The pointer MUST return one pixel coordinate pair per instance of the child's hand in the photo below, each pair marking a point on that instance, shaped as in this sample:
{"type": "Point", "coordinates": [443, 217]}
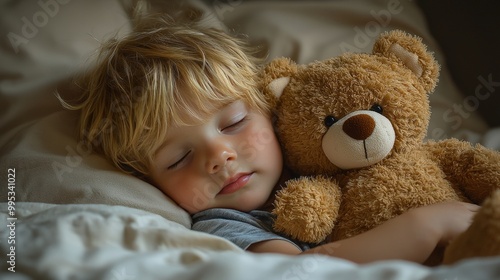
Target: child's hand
{"type": "Point", "coordinates": [446, 220]}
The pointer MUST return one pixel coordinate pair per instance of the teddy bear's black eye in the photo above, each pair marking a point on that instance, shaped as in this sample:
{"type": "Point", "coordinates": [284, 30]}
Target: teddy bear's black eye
{"type": "Point", "coordinates": [330, 120]}
{"type": "Point", "coordinates": [377, 108]}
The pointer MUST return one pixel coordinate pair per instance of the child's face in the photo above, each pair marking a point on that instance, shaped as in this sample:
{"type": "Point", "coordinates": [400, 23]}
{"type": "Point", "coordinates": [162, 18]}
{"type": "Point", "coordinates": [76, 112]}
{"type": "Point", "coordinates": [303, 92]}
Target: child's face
{"type": "Point", "coordinates": [233, 160]}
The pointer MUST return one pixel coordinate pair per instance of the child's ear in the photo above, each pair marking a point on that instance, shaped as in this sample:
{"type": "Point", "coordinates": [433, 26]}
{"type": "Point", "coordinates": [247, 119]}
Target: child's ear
{"type": "Point", "coordinates": [412, 53]}
{"type": "Point", "coordinates": [275, 77]}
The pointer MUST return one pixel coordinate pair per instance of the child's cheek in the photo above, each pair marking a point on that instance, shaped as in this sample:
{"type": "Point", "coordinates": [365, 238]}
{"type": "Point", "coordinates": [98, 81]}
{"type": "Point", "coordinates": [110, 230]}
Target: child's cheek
{"type": "Point", "coordinates": [256, 141]}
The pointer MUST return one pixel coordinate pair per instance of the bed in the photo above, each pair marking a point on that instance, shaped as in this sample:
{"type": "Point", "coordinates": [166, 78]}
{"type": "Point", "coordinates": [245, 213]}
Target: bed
{"type": "Point", "coordinates": [67, 213]}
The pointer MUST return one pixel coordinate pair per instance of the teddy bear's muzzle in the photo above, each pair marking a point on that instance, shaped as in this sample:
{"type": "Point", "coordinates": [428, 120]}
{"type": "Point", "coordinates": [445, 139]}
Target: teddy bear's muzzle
{"type": "Point", "coordinates": [359, 139]}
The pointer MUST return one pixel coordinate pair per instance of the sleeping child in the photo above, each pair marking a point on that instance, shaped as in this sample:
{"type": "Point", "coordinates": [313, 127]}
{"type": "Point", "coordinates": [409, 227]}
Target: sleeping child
{"type": "Point", "coordinates": [178, 105]}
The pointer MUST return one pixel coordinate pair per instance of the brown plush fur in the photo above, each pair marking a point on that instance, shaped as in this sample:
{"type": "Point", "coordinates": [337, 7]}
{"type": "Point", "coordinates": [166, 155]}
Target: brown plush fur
{"type": "Point", "coordinates": [398, 76]}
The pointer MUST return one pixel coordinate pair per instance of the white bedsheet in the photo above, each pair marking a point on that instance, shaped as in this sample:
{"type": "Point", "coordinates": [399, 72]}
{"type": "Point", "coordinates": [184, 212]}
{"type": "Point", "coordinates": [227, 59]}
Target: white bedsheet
{"type": "Point", "coordinates": [95, 241]}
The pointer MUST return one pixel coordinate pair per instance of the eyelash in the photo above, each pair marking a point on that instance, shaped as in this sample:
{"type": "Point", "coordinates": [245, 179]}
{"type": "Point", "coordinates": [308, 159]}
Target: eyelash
{"type": "Point", "coordinates": [236, 124]}
{"type": "Point", "coordinates": [178, 162]}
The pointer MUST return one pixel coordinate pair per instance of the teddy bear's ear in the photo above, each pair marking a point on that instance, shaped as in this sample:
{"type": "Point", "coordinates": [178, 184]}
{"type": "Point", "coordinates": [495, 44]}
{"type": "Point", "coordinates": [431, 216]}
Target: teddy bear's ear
{"type": "Point", "coordinates": [277, 86]}
{"type": "Point", "coordinates": [275, 77]}
{"type": "Point", "coordinates": [412, 53]}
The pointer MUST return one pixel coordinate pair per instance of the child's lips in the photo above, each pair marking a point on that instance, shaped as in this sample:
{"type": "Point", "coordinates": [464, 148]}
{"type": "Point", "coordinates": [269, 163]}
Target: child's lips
{"type": "Point", "coordinates": [235, 183]}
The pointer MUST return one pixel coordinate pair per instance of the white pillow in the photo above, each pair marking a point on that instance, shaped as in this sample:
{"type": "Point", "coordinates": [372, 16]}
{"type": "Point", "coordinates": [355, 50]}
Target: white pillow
{"type": "Point", "coordinates": [52, 167]}
{"type": "Point", "coordinates": [45, 42]}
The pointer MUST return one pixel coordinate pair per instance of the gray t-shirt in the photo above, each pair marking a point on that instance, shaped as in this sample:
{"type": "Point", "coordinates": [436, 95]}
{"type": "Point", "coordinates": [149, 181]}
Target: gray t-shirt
{"type": "Point", "coordinates": [241, 228]}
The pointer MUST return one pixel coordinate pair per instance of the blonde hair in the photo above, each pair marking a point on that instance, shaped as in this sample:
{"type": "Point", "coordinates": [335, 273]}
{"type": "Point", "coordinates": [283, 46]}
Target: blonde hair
{"type": "Point", "coordinates": [160, 75]}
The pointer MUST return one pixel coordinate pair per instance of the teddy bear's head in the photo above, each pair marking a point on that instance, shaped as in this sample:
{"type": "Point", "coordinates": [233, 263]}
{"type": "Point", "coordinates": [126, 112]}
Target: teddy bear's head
{"type": "Point", "coordinates": [353, 110]}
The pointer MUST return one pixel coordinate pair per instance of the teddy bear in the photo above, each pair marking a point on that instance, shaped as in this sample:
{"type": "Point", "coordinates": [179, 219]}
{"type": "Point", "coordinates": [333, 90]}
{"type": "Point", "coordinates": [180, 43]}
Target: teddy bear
{"type": "Point", "coordinates": [353, 129]}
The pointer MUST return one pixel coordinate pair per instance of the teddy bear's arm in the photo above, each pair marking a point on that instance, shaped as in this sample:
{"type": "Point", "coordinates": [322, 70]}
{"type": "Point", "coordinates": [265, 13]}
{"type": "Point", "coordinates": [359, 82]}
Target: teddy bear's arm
{"type": "Point", "coordinates": [474, 169]}
{"type": "Point", "coordinates": [482, 238]}
{"type": "Point", "coordinates": [307, 208]}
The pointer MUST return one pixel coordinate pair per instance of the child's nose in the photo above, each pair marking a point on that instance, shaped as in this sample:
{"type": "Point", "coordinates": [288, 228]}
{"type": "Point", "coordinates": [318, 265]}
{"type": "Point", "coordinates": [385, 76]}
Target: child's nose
{"type": "Point", "coordinates": [219, 156]}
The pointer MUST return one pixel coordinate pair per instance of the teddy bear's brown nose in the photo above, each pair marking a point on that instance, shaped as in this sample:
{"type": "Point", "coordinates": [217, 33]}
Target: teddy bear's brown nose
{"type": "Point", "coordinates": [359, 126]}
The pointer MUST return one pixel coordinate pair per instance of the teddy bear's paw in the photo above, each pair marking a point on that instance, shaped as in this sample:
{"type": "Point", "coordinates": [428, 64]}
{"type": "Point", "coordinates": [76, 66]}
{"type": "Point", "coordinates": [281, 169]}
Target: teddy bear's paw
{"type": "Point", "coordinates": [482, 238]}
{"type": "Point", "coordinates": [482, 173]}
{"type": "Point", "coordinates": [307, 208]}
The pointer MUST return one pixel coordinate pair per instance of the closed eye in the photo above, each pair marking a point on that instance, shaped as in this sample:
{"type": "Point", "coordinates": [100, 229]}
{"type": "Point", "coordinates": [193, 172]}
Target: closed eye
{"type": "Point", "coordinates": [235, 125]}
{"type": "Point", "coordinates": [177, 163]}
